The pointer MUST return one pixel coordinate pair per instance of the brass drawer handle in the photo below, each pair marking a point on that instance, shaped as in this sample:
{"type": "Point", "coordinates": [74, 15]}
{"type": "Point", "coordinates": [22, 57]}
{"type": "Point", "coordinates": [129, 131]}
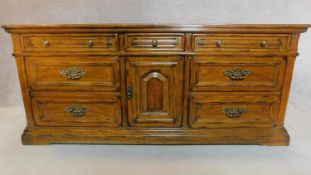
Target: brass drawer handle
{"type": "Point", "coordinates": [90, 43]}
{"type": "Point", "coordinates": [264, 43]}
{"type": "Point", "coordinates": [237, 74]}
{"type": "Point", "coordinates": [154, 43]}
{"type": "Point", "coordinates": [219, 43]}
{"type": "Point", "coordinates": [234, 112]}
{"type": "Point", "coordinates": [77, 111]}
{"type": "Point", "coordinates": [45, 43]}
{"type": "Point", "coordinates": [73, 73]}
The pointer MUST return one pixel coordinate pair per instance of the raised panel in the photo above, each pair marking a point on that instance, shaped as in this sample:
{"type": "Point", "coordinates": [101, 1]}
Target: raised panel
{"type": "Point", "coordinates": [229, 73]}
{"type": "Point", "coordinates": [156, 101]}
{"type": "Point", "coordinates": [77, 109]}
{"type": "Point", "coordinates": [155, 90]}
{"type": "Point", "coordinates": [226, 110]}
{"type": "Point", "coordinates": [73, 73]}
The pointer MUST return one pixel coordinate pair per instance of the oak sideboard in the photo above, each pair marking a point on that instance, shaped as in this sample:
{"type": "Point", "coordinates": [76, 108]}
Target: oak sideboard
{"type": "Point", "coordinates": [155, 84]}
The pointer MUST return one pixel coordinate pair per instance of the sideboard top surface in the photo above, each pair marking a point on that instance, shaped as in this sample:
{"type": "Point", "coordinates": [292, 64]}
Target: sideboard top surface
{"type": "Point", "coordinates": [237, 28]}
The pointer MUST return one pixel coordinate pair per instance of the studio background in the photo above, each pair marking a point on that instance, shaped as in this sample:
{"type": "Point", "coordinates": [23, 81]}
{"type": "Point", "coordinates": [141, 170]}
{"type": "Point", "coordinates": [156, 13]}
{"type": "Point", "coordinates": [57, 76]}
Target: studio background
{"type": "Point", "coordinates": [155, 159]}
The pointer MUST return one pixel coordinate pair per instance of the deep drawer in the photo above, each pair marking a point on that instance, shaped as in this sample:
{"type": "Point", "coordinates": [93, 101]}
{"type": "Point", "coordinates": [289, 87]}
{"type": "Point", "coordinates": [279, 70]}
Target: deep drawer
{"type": "Point", "coordinates": [227, 110]}
{"type": "Point", "coordinates": [73, 73]}
{"type": "Point", "coordinates": [77, 109]}
{"type": "Point", "coordinates": [70, 42]}
{"type": "Point", "coordinates": [240, 42]}
{"type": "Point", "coordinates": [154, 42]}
{"type": "Point", "coordinates": [230, 73]}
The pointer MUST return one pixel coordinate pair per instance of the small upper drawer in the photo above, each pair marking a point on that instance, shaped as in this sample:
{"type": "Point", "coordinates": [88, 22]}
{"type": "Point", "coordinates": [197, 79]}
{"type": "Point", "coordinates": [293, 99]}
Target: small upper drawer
{"type": "Point", "coordinates": [70, 42]}
{"type": "Point", "coordinates": [155, 42]}
{"type": "Point", "coordinates": [240, 42]}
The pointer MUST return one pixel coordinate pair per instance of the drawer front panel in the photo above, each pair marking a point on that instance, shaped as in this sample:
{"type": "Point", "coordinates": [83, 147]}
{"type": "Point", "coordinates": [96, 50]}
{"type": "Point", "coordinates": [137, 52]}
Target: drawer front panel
{"type": "Point", "coordinates": [73, 73]}
{"type": "Point", "coordinates": [154, 42]}
{"type": "Point", "coordinates": [223, 73]}
{"type": "Point", "coordinates": [74, 110]}
{"type": "Point", "coordinates": [70, 42]}
{"type": "Point", "coordinates": [224, 110]}
{"type": "Point", "coordinates": [240, 42]}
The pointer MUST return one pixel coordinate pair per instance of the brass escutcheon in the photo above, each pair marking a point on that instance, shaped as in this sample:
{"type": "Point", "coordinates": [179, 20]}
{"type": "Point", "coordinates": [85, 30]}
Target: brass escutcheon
{"type": "Point", "coordinates": [77, 111]}
{"type": "Point", "coordinates": [73, 73]}
{"type": "Point", "coordinates": [237, 74]}
{"type": "Point", "coordinates": [234, 112]}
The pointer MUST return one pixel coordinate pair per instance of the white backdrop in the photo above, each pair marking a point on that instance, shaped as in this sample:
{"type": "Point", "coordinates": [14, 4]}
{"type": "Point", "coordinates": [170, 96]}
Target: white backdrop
{"type": "Point", "coordinates": [155, 11]}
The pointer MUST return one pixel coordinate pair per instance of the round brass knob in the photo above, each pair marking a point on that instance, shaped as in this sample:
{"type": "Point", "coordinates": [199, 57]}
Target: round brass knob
{"type": "Point", "coordinates": [264, 43]}
{"type": "Point", "coordinates": [219, 43]}
{"type": "Point", "coordinates": [201, 42]}
{"type": "Point", "coordinates": [45, 43]}
{"type": "Point", "coordinates": [154, 43]}
{"type": "Point", "coordinates": [108, 43]}
{"type": "Point", "coordinates": [90, 43]}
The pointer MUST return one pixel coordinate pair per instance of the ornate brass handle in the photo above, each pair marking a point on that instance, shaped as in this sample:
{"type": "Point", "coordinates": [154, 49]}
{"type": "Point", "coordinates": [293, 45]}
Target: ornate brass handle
{"type": "Point", "coordinates": [237, 74]}
{"type": "Point", "coordinates": [129, 92]}
{"type": "Point", "coordinates": [219, 43]}
{"type": "Point", "coordinates": [264, 43]}
{"type": "Point", "coordinates": [77, 111]}
{"type": "Point", "coordinates": [73, 73]}
{"type": "Point", "coordinates": [90, 43]}
{"type": "Point", "coordinates": [45, 43]}
{"type": "Point", "coordinates": [154, 43]}
{"type": "Point", "coordinates": [234, 112]}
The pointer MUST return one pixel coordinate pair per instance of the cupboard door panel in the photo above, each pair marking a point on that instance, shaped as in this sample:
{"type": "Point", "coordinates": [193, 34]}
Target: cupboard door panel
{"type": "Point", "coordinates": [154, 90]}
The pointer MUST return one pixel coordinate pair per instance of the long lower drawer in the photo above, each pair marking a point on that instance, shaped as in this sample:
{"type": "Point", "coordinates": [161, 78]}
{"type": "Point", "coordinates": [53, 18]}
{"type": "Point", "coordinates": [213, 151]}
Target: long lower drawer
{"type": "Point", "coordinates": [230, 110]}
{"type": "Point", "coordinates": [77, 109]}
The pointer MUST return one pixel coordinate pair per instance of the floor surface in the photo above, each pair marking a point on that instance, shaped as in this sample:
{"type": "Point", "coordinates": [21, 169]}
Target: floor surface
{"type": "Point", "coordinates": [16, 159]}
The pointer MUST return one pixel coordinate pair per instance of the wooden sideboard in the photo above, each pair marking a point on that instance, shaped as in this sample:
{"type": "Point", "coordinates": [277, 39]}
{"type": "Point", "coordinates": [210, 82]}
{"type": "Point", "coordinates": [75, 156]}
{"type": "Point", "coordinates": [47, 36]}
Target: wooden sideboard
{"type": "Point", "coordinates": [155, 84]}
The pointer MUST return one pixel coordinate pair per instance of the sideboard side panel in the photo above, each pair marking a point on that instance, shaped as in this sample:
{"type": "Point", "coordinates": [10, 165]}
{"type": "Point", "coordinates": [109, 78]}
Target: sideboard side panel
{"type": "Point", "coordinates": [288, 77]}
{"type": "Point", "coordinates": [21, 68]}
